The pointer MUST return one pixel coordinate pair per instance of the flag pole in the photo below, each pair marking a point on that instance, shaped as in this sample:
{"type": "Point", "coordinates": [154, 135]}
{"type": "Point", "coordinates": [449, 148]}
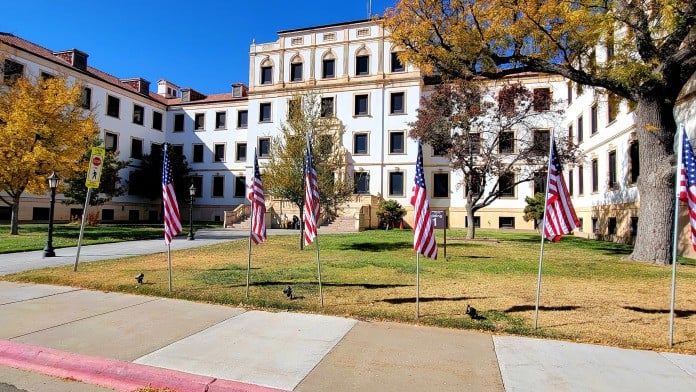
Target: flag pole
{"type": "Point", "coordinates": [251, 227]}
{"type": "Point", "coordinates": [543, 224]}
{"type": "Point", "coordinates": [417, 285]}
{"type": "Point", "coordinates": [675, 235]}
{"type": "Point", "coordinates": [169, 266]}
{"type": "Point", "coordinates": [321, 293]}
{"type": "Point", "coordinates": [82, 228]}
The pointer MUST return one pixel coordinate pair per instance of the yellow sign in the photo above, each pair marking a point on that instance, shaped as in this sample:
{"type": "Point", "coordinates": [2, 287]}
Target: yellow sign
{"type": "Point", "coordinates": [96, 161]}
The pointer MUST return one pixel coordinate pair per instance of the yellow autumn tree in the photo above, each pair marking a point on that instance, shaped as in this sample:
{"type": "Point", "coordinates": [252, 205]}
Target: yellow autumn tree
{"type": "Point", "coordinates": [643, 51]}
{"type": "Point", "coordinates": [43, 129]}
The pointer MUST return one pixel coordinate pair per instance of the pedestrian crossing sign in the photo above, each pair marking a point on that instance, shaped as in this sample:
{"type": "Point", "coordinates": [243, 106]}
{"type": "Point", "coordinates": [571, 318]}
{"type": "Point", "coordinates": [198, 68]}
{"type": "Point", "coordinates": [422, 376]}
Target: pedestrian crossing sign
{"type": "Point", "coordinates": [96, 162]}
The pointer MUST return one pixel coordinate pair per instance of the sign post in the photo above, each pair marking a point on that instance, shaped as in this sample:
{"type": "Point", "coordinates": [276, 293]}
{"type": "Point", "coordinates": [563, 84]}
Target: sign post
{"type": "Point", "coordinates": [96, 161]}
{"type": "Point", "coordinates": [439, 218]}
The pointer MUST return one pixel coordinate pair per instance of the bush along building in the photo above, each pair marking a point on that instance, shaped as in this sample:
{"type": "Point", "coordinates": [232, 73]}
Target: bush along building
{"type": "Point", "coordinates": [353, 71]}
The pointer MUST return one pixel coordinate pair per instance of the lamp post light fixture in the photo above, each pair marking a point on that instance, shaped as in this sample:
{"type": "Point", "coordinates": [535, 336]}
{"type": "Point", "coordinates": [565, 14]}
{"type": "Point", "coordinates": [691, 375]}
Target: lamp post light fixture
{"type": "Point", "coordinates": [53, 184]}
{"type": "Point", "coordinates": [192, 194]}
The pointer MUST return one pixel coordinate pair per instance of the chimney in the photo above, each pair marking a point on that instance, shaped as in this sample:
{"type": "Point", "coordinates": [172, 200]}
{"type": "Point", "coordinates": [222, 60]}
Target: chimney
{"type": "Point", "coordinates": [167, 89]}
{"type": "Point", "coordinates": [239, 90]}
{"type": "Point", "coordinates": [74, 57]}
{"type": "Point", "coordinates": [139, 84]}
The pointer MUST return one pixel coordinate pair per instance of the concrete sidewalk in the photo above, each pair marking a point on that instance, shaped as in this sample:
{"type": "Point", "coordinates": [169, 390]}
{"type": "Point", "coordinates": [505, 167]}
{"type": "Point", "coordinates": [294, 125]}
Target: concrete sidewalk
{"type": "Point", "coordinates": [69, 339]}
{"type": "Point", "coordinates": [126, 341]}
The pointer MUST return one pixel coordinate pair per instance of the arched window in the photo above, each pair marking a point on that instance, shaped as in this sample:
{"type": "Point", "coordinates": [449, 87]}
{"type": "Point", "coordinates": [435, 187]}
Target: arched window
{"type": "Point", "coordinates": [296, 69]}
{"type": "Point", "coordinates": [328, 66]}
{"type": "Point", "coordinates": [267, 72]}
{"type": "Point", "coordinates": [362, 62]}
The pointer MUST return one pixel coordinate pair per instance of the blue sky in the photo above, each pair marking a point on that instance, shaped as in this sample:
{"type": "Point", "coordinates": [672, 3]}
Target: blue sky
{"type": "Point", "coordinates": [201, 44]}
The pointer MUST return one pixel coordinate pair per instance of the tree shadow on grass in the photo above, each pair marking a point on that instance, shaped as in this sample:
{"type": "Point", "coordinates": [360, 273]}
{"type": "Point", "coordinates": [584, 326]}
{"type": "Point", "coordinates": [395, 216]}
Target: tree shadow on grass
{"type": "Point", "coordinates": [677, 312]}
{"type": "Point", "coordinates": [377, 246]}
{"type": "Point", "coordinates": [525, 308]}
{"type": "Point", "coordinates": [368, 286]}
{"type": "Point", "coordinates": [398, 301]}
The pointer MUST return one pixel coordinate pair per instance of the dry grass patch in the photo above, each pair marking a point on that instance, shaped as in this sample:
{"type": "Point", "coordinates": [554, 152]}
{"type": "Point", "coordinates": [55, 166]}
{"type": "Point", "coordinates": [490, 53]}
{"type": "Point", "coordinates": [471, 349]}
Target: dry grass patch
{"type": "Point", "coordinates": [588, 293]}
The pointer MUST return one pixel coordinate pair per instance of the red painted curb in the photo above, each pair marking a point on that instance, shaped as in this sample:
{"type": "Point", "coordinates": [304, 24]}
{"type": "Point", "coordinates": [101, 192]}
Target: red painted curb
{"type": "Point", "coordinates": [123, 376]}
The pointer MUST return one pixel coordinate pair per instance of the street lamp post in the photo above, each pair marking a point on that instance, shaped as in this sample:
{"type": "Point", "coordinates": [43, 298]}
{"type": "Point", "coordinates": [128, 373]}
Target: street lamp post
{"type": "Point", "coordinates": [53, 184]}
{"type": "Point", "coordinates": [192, 194]}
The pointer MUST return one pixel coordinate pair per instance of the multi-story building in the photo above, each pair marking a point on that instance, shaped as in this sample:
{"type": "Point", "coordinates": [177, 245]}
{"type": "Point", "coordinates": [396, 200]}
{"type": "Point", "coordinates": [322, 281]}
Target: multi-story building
{"type": "Point", "coordinates": [354, 70]}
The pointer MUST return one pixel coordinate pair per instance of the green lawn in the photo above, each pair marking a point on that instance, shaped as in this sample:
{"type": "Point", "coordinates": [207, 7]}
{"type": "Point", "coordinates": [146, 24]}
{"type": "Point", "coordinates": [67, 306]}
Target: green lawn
{"type": "Point", "coordinates": [589, 292]}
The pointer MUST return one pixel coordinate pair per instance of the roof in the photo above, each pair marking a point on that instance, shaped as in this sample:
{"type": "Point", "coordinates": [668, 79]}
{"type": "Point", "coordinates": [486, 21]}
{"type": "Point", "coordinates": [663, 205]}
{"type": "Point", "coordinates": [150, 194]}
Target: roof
{"type": "Point", "coordinates": [324, 26]}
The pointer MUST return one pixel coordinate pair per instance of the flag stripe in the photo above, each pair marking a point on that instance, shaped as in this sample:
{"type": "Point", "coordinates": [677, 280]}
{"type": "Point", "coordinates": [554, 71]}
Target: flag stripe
{"type": "Point", "coordinates": [311, 202]}
{"type": "Point", "coordinates": [172, 219]}
{"type": "Point", "coordinates": [258, 206]}
{"type": "Point", "coordinates": [559, 214]}
{"type": "Point", "coordinates": [687, 182]}
{"type": "Point", "coordinates": [424, 235]}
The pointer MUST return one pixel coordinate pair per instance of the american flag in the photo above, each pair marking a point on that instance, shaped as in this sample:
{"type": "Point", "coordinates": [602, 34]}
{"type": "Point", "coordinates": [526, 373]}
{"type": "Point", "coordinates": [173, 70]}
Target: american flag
{"type": "Point", "coordinates": [311, 202]}
{"type": "Point", "coordinates": [424, 236]}
{"type": "Point", "coordinates": [687, 182]}
{"type": "Point", "coordinates": [258, 206]}
{"type": "Point", "coordinates": [559, 215]}
{"type": "Point", "coordinates": [172, 220]}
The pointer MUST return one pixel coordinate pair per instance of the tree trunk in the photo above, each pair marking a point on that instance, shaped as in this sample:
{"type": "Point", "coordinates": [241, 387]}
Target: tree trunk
{"type": "Point", "coordinates": [14, 221]}
{"type": "Point", "coordinates": [470, 229]}
{"type": "Point", "coordinates": [656, 129]}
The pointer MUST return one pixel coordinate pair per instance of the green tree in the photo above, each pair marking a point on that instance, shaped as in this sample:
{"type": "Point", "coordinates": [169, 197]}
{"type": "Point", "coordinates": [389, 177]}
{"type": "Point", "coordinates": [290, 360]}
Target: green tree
{"type": "Point", "coordinates": [146, 179]}
{"type": "Point", "coordinates": [490, 141]}
{"type": "Point", "coordinates": [110, 184]}
{"type": "Point", "coordinates": [534, 210]}
{"type": "Point", "coordinates": [43, 129]}
{"type": "Point", "coordinates": [284, 176]}
{"type": "Point", "coordinates": [643, 51]}
{"type": "Point", "coordinates": [390, 213]}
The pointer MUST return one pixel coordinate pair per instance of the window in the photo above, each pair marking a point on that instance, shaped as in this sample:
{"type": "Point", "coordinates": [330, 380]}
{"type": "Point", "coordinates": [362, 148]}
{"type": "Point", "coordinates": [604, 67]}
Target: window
{"type": "Point", "coordinates": [477, 221]}
{"type": "Point", "coordinates": [264, 147]}
{"type": "Point", "coordinates": [611, 225]}
{"type": "Point", "coordinates": [328, 69]}
{"type": "Point", "coordinates": [46, 76]}
{"type": "Point", "coordinates": [157, 120]}
{"type": "Point", "coordinates": [360, 143]}
{"type": "Point", "coordinates": [361, 183]}
{"type": "Point", "coordinates": [396, 65]}
{"type": "Point", "coordinates": [111, 142]}
{"type": "Point", "coordinates": [112, 106]}
{"type": "Point", "coordinates": [197, 153]}
{"type": "Point", "coordinates": [473, 184]}
{"type": "Point", "coordinates": [296, 72]}
{"type": "Point", "coordinates": [199, 123]}
{"type": "Point", "coordinates": [612, 107]}
{"type": "Point", "coordinates": [581, 180]}
{"type": "Point", "coordinates": [581, 132]}
{"type": "Point", "coordinates": [542, 99]}
{"type": "Point", "coordinates": [138, 114]}
{"type": "Point", "coordinates": [440, 185]}
{"type": "Point", "coordinates": [595, 176]}
{"type": "Point", "coordinates": [178, 123]}
{"type": "Point", "coordinates": [267, 75]}
{"type": "Point", "coordinates": [396, 142]}
{"type": "Point", "coordinates": [634, 226]}
{"type": "Point", "coordinates": [570, 93]}
{"type": "Point", "coordinates": [295, 41]}
{"type": "Point", "coordinates": [581, 225]}
{"type": "Point", "coordinates": [506, 185]}
{"type": "Point", "coordinates": [107, 214]}
{"type": "Point", "coordinates": [506, 222]}
{"type": "Point", "coordinates": [86, 98]}
{"type": "Point", "coordinates": [11, 71]}
{"type": "Point", "coordinates": [506, 142]}
{"type": "Point", "coordinates": [219, 153]}
{"type": "Point", "coordinates": [541, 140]}
{"type": "Point", "coordinates": [634, 164]}
{"type": "Point", "coordinates": [595, 225]}
{"type": "Point", "coordinates": [396, 184]}
{"type": "Point", "coordinates": [177, 149]}
{"type": "Point", "coordinates": [361, 105]}
{"type": "Point", "coordinates": [240, 186]}
{"type": "Point", "coordinates": [329, 36]}
{"type": "Point", "coordinates": [136, 148]}
{"type": "Point", "coordinates": [570, 182]}
{"type": "Point", "coordinates": [242, 119]}
{"type": "Point", "coordinates": [155, 149]}
{"type": "Point", "coordinates": [593, 119]}
{"type": "Point", "coordinates": [265, 112]}
{"type": "Point", "coordinates": [220, 120]}
{"type": "Point", "coordinates": [197, 182]}
{"type": "Point", "coordinates": [474, 143]}
{"type": "Point", "coordinates": [396, 105]}
{"type": "Point", "coordinates": [218, 186]}
{"type": "Point", "coordinates": [362, 65]}
{"type": "Point", "coordinates": [327, 107]}
{"type": "Point", "coordinates": [570, 134]}
{"type": "Point", "coordinates": [241, 152]}
{"type": "Point", "coordinates": [612, 170]}
{"type": "Point", "coordinates": [134, 177]}
{"type": "Point", "coordinates": [540, 182]}
{"type": "Point", "coordinates": [295, 108]}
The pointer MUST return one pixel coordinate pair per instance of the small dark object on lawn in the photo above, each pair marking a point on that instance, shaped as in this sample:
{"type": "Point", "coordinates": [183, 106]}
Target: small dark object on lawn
{"type": "Point", "coordinates": [139, 278]}
{"type": "Point", "coordinates": [471, 311]}
{"type": "Point", "coordinates": [288, 291]}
